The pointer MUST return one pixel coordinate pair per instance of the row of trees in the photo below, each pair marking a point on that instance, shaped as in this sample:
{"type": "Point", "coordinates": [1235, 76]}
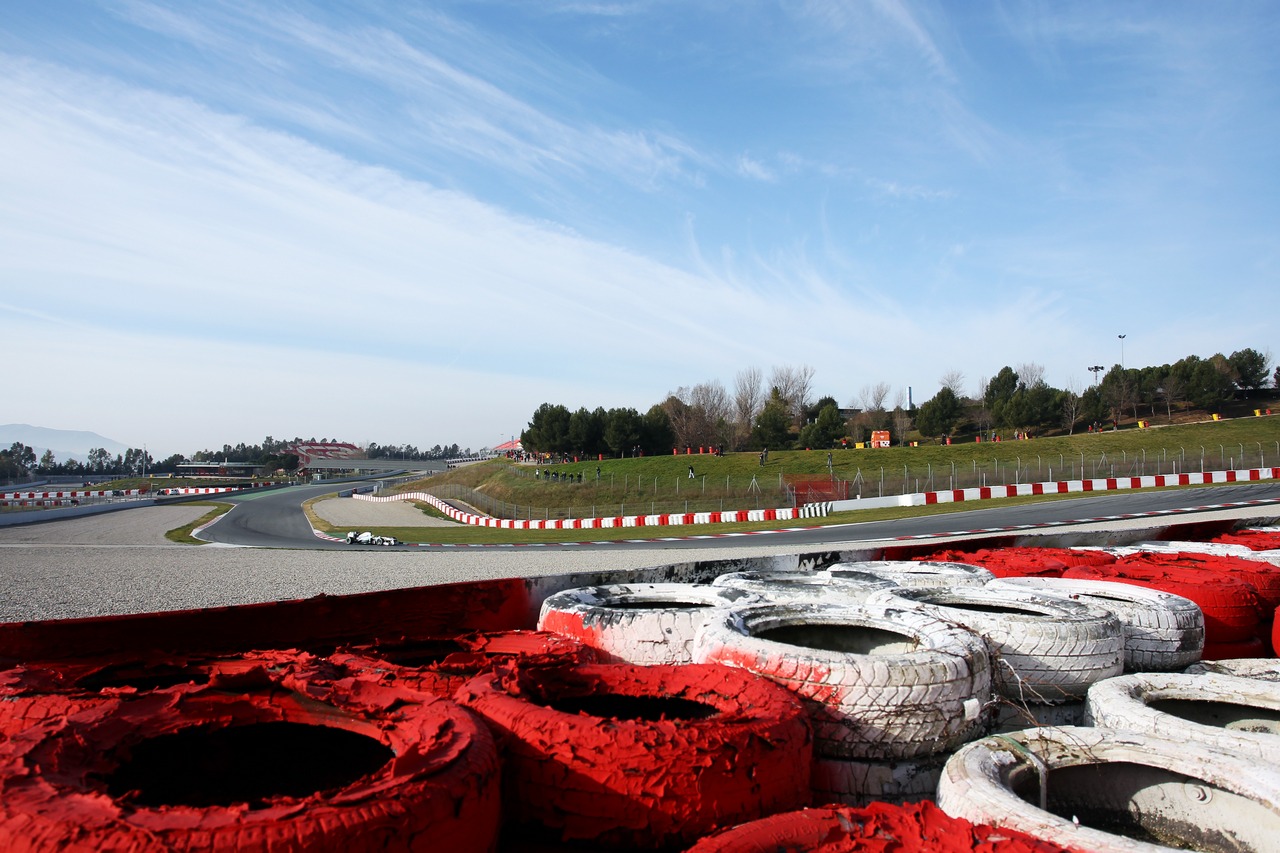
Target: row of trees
{"type": "Point", "coordinates": [749, 417]}
{"type": "Point", "coordinates": [19, 461]}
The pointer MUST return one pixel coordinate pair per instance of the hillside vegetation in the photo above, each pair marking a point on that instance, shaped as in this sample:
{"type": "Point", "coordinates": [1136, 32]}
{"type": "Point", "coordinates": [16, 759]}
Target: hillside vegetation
{"type": "Point", "coordinates": [653, 484]}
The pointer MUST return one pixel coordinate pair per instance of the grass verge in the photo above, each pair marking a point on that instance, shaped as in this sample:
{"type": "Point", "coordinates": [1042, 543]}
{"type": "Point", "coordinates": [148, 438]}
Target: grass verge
{"type": "Point", "coordinates": [183, 535]}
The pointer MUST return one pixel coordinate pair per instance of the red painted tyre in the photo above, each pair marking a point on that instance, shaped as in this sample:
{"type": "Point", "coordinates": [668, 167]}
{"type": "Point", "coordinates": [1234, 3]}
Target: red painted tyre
{"type": "Point", "coordinates": [646, 756]}
{"type": "Point", "coordinates": [1230, 606]}
{"type": "Point", "coordinates": [916, 827]}
{"type": "Point", "coordinates": [1027, 562]}
{"type": "Point", "coordinates": [50, 690]}
{"type": "Point", "coordinates": [1262, 576]}
{"type": "Point", "coordinates": [284, 760]}
{"type": "Point", "coordinates": [441, 665]}
{"type": "Point", "coordinates": [1254, 647]}
{"type": "Point", "coordinates": [1254, 540]}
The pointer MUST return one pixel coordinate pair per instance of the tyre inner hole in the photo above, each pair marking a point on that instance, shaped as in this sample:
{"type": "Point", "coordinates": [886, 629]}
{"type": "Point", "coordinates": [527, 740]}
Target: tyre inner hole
{"type": "Point", "coordinates": [204, 767]}
{"type": "Point", "coordinates": [997, 609]}
{"type": "Point", "coordinates": [847, 639]}
{"type": "Point", "coordinates": [1150, 804]}
{"type": "Point", "coordinates": [617, 706]}
{"type": "Point", "coordinates": [419, 653]}
{"type": "Point", "coordinates": [142, 676]}
{"type": "Point", "coordinates": [1224, 715]}
{"type": "Point", "coordinates": [641, 604]}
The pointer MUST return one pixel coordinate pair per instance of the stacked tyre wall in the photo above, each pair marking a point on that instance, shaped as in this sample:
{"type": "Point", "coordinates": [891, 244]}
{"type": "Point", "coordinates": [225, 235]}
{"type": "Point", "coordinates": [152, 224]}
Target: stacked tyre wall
{"type": "Point", "coordinates": [683, 707]}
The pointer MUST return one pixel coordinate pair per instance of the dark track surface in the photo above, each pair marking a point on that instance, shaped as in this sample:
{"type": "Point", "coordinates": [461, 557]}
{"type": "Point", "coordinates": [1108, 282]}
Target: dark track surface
{"type": "Point", "coordinates": [275, 519]}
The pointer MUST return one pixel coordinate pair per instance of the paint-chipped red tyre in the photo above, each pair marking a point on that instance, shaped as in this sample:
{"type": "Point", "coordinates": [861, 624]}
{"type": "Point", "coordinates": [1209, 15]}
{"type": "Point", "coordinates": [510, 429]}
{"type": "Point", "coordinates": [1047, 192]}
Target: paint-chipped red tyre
{"type": "Point", "coordinates": [1261, 575]}
{"type": "Point", "coordinates": [1044, 648]}
{"type": "Point", "coordinates": [645, 756]}
{"type": "Point", "coordinates": [281, 763]}
{"type": "Point", "coordinates": [851, 587]}
{"type": "Point", "coordinates": [1239, 715]}
{"type": "Point", "coordinates": [1113, 791]}
{"type": "Point", "coordinates": [917, 574]}
{"type": "Point", "coordinates": [1026, 562]}
{"type": "Point", "coordinates": [1253, 539]}
{"type": "Point", "coordinates": [911, 828]}
{"type": "Point", "coordinates": [40, 691]}
{"type": "Point", "coordinates": [1230, 606]}
{"type": "Point", "coordinates": [880, 681]}
{"type": "Point", "coordinates": [637, 623]}
{"type": "Point", "coordinates": [440, 665]}
{"type": "Point", "coordinates": [1162, 632]}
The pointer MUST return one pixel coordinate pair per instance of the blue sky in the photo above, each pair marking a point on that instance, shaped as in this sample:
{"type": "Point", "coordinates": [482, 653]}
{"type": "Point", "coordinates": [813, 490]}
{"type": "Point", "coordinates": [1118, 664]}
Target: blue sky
{"type": "Point", "coordinates": [414, 223]}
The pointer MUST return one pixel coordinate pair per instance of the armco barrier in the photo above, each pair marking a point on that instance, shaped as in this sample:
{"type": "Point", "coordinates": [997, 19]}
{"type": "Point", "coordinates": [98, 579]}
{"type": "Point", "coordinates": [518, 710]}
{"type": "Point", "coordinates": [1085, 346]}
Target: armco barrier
{"type": "Point", "coordinates": [820, 510]}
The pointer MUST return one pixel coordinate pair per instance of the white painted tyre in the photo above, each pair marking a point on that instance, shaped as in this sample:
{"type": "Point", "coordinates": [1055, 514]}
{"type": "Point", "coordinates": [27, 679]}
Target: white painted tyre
{"type": "Point", "coordinates": [880, 681]}
{"type": "Point", "coordinates": [1162, 632]}
{"type": "Point", "coordinates": [1130, 792]}
{"type": "Point", "coordinates": [1263, 669]}
{"type": "Point", "coordinates": [638, 623]}
{"type": "Point", "coordinates": [854, 782]}
{"type": "Point", "coordinates": [818, 587]}
{"type": "Point", "coordinates": [1240, 715]}
{"type": "Point", "coordinates": [1044, 648]}
{"type": "Point", "coordinates": [918, 574]}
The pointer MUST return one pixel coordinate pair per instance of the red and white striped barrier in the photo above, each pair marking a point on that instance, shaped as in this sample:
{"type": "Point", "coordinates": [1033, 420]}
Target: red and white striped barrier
{"type": "Point", "coordinates": [45, 496]}
{"type": "Point", "coordinates": [659, 520]}
{"type": "Point", "coordinates": [1105, 484]}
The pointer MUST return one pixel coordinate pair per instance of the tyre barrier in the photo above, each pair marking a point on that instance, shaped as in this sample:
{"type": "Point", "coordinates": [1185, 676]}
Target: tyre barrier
{"type": "Point", "coordinates": [1229, 605]}
{"type": "Point", "coordinates": [1112, 791]}
{"type": "Point", "coordinates": [916, 574]}
{"type": "Point", "coordinates": [288, 760]}
{"type": "Point", "coordinates": [880, 681]}
{"type": "Point", "coordinates": [850, 588]}
{"type": "Point", "coordinates": [850, 782]}
{"type": "Point", "coordinates": [1263, 669]}
{"type": "Point", "coordinates": [1026, 562]}
{"type": "Point", "coordinates": [1239, 715]}
{"type": "Point", "coordinates": [918, 828]}
{"type": "Point", "coordinates": [1044, 648]}
{"type": "Point", "coordinates": [1162, 632]}
{"type": "Point", "coordinates": [646, 756]}
{"type": "Point", "coordinates": [440, 665]}
{"type": "Point", "coordinates": [637, 623]}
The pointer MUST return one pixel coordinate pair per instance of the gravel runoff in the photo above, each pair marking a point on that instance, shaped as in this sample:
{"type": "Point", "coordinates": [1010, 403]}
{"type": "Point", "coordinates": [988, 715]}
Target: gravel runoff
{"type": "Point", "coordinates": [120, 562]}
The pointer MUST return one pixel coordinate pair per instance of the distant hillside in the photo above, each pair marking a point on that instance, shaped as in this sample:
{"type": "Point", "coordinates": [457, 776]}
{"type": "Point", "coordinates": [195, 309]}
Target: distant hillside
{"type": "Point", "coordinates": [65, 443]}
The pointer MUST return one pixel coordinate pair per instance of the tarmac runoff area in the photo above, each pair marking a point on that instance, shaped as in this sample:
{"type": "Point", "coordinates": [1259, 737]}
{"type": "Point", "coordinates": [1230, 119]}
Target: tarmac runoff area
{"type": "Point", "coordinates": [120, 562]}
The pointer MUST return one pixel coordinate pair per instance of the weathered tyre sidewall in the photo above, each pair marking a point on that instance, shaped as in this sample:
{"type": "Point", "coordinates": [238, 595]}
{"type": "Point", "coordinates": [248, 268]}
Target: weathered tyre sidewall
{"type": "Point", "coordinates": [918, 574]}
{"type": "Point", "coordinates": [1050, 649]}
{"type": "Point", "coordinates": [899, 704]}
{"type": "Point", "coordinates": [1163, 632]}
{"type": "Point", "coordinates": [1126, 703]}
